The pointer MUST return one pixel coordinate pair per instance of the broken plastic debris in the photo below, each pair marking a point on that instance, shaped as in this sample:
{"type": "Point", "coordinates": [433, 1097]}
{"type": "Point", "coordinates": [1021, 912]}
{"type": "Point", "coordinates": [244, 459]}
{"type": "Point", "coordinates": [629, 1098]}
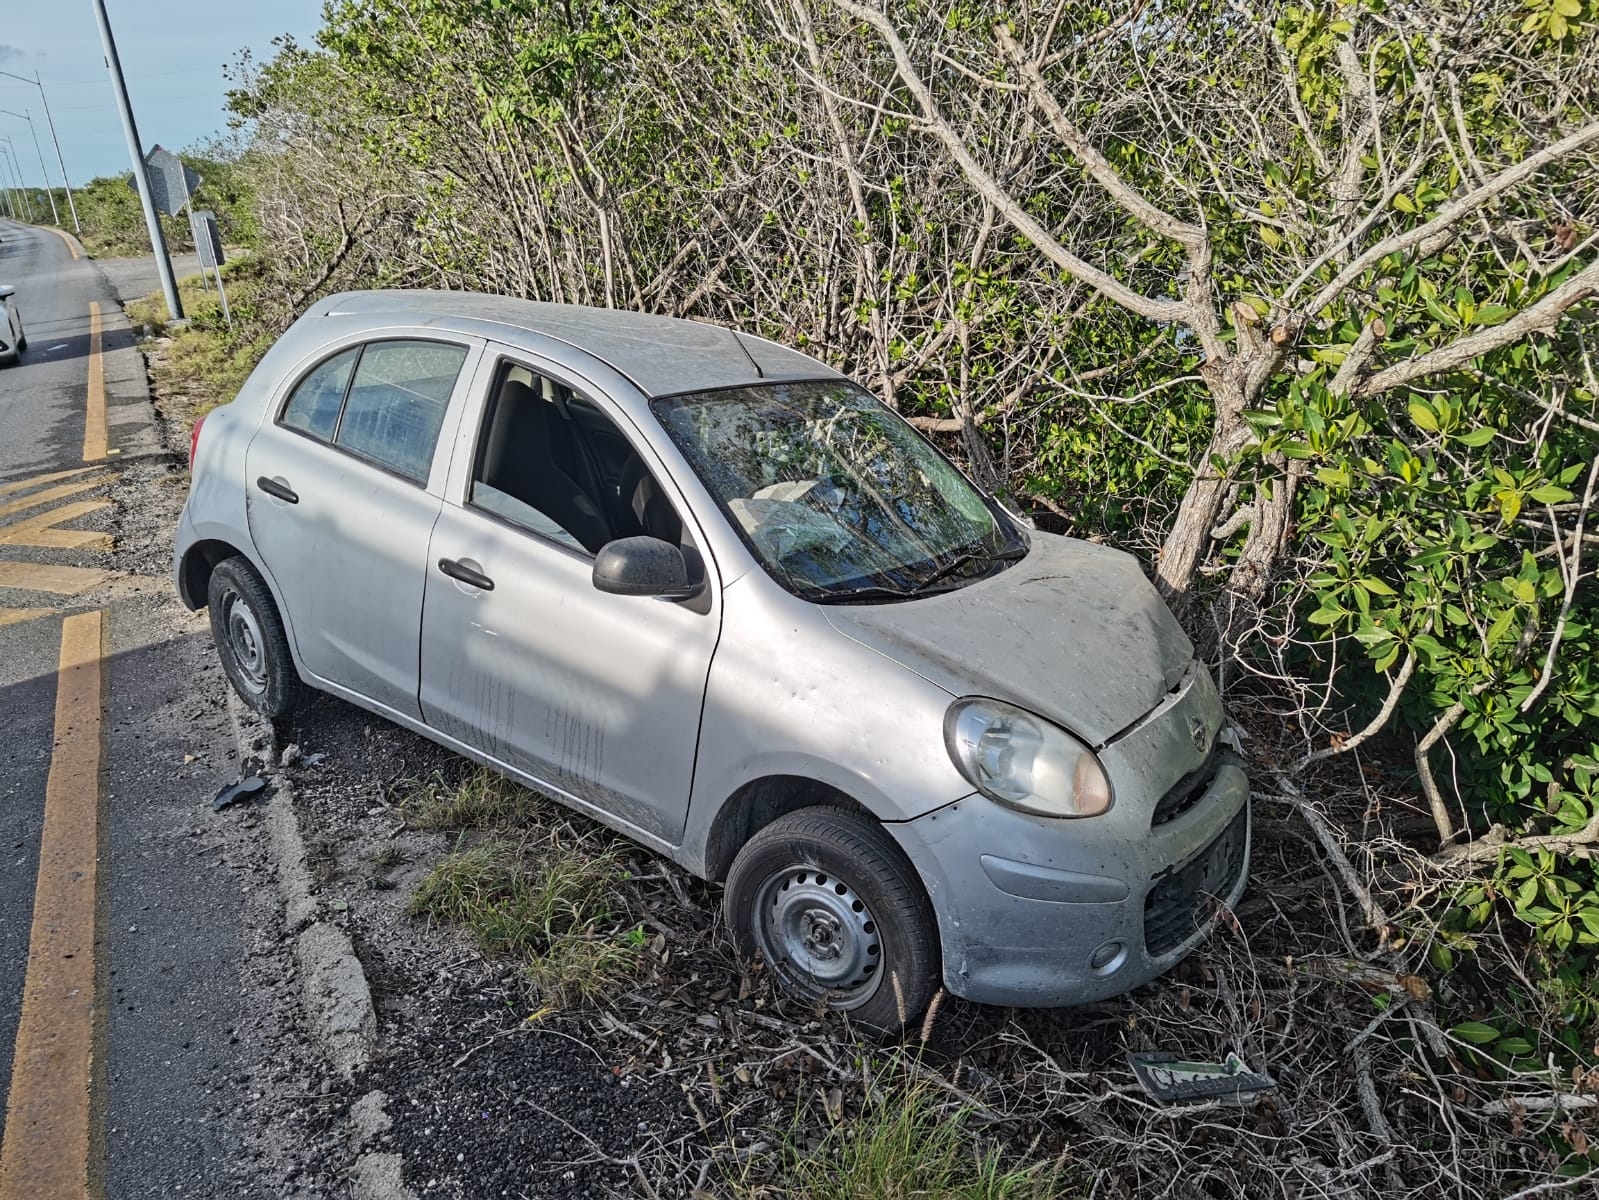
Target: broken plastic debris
{"type": "Point", "coordinates": [235, 792]}
{"type": "Point", "coordinates": [311, 760]}
{"type": "Point", "coordinates": [1172, 1080]}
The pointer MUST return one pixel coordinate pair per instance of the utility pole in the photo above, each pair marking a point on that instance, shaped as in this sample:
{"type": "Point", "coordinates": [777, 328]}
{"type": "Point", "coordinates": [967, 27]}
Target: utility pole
{"type": "Point", "coordinates": [18, 213]}
{"type": "Point", "coordinates": [16, 172]}
{"type": "Point", "coordinates": [50, 121]}
{"type": "Point", "coordinates": [158, 241]}
{"type": "Point", "coordinates": [55, 213]}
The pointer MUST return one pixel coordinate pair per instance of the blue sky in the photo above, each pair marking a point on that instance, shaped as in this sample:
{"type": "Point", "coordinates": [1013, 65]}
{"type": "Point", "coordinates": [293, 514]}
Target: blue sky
{"type": "Point", "coordinates": [172, 51]}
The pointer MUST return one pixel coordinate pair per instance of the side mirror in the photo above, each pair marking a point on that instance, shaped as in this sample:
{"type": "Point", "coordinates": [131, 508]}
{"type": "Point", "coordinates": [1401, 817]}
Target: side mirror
{"type": "Point", "coordinates": [6, 291]}
{"type": "Point", "coordinates": [643, 566]}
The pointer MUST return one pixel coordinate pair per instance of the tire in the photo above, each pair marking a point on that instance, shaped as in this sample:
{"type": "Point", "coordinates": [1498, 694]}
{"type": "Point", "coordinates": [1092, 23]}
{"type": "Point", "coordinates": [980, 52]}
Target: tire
{"type": "Point", "coordinates": [250, 639]}
{"type": "Point", "coordinates": [837, 912]}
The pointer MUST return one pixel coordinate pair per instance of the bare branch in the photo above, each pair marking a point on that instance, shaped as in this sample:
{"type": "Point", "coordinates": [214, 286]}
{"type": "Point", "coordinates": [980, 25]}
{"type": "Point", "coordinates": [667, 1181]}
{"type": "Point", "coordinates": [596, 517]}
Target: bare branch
{"type": "Point", "coordinates": [1356, 358]}
{"type": "Point", "coordinates": [1584, 843]}
{"type": "Point", "coordinates": [1451, 213]}
{"type": "Point", "coordinates": [1153, 308]}
{"type": "Point", "coordinates": [1541, 317]}
{"type": "Point", "coordinates": [1573, 573]}
{"type": "Point", "coordinates": [1095, 163]}
{"type": "Point", "coordinates": [1396, 688]}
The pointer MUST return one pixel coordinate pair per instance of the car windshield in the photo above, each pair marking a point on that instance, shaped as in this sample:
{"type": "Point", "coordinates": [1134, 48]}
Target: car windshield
{"type": "Point", "coordinates": [839, 499]}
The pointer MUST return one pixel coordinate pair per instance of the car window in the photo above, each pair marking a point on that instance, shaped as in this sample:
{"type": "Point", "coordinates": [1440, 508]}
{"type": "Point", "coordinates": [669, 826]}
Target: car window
{"type": "Point", "coordinates": [550, 462]}
{"type": "Point", "coordinates": [838, 497]}
{"type": "Point", "coordinates": [396, 404]}
{"type": "Point", "coordinates": [314, 406]}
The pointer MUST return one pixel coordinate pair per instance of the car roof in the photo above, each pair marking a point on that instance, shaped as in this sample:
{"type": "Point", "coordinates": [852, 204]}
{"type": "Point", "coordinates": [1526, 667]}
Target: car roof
{"type": "Point", "coordinates": [660, 355]}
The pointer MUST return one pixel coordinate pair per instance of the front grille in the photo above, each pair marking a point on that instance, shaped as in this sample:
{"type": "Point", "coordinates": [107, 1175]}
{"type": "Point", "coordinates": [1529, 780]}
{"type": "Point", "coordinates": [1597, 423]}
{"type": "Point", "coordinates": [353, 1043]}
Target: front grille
{"type": "Point", "coordinates": [1172, 910]}
{"type": "Point", "coordinates": [1185, 793]}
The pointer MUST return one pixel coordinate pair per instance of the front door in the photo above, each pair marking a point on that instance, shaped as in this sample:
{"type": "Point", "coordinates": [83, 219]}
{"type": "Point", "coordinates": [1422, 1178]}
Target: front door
{"type": "Point", "coordinates": [597, 696]}
{"type": "Point", "coordinates": [340, 509]}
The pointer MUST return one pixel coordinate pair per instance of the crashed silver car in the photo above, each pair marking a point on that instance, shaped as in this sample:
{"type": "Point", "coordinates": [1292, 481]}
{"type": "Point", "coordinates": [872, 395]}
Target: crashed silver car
{"type": "Point", "coordinates": [711, 593]}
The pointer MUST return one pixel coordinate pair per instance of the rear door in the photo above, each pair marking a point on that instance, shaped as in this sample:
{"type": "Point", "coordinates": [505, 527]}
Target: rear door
{"type": "Point", "coordinates": [594, 695]}
{"type": "Point", "coordinates": [344, 483]}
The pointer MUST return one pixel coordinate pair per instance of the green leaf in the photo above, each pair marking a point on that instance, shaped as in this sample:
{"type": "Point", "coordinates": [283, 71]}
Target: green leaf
{"type": "Point", "coordinates": [1549, 494]}
{"type": "Point", "coordinates": [1514, 1047]}
{"type": "Point", "coordinates": [1377, 587]}
{"type": "Point", "coordinates": [1423, 416]}
{"type": "Point", "coordinates": [1477, 437]}
{"type": "Point", "coordinates": [1475, 1032]}
{"type": "Point", "coordinates": [1501, 626]}
{"type": "Point", "coordinates": [1404, 203]}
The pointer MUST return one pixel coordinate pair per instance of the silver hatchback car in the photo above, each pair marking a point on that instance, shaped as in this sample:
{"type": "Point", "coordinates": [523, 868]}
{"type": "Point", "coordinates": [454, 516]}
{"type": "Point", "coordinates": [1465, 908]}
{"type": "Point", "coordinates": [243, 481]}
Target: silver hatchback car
{"type": "Point", "coordinates": [709, 592]}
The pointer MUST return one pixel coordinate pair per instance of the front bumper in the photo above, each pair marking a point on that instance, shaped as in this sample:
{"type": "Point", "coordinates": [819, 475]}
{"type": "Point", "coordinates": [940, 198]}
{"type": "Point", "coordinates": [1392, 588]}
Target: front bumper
{"type": "Point", "coordinates": [1035, 912]}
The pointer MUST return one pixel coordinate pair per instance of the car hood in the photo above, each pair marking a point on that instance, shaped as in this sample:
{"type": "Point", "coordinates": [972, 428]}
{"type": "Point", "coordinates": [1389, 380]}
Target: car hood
{"type": "Point", "coordinates": [1073, 632]}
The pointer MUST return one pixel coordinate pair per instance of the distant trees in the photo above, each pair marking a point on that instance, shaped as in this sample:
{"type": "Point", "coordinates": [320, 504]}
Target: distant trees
{"type": "Point", "coordinates": [113, 222]}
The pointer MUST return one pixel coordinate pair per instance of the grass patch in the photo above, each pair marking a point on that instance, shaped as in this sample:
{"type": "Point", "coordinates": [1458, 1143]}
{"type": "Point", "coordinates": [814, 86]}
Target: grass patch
{"type": "Point", "coordinates": [910, 1142]}
{"type": "Point", "coordinates": [485, 799]}
{"type": "Point", "coordinates": [548, 904]}
{"type": "Point", "coordinates": [202, 363]}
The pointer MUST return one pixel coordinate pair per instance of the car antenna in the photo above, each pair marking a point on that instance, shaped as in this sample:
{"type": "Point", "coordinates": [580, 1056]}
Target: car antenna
{"type": "Point", "coordinates": [759, 374]}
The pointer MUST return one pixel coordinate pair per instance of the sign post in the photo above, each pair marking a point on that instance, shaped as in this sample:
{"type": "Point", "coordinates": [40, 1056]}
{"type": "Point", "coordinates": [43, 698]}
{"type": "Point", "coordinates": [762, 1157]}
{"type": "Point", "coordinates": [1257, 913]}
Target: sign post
{"type": "Point", "coordinates": [208, 244]}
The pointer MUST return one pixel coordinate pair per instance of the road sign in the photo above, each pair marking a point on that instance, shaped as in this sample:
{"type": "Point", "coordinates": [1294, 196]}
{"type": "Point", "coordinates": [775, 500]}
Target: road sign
{"type": "Point", "coordinates": [171, 182]}
{"type": "Point", "coordinates": [207, 240]}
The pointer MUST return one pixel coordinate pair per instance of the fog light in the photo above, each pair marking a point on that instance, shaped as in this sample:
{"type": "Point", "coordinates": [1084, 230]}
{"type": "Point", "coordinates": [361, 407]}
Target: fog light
{"type": "Point", "coordinates": [1107, 958]}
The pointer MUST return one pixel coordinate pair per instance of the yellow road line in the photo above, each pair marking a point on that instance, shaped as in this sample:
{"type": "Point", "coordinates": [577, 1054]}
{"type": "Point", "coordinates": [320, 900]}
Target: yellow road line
{"type": "Point", "coordinates": [67, 238]}
{"type": "Point", "coordinates": [15, 616]}
{"type": "Point", "coordinates": [41, 531]}
{"type": "Point", "coordinates": [94, 432]}
{"type": "Point", "coordinates": [45, 497]}
{"type": "Point", "coordinates": [52, 1149]}
{"type": "Point", "coordinates": [48, 577]}
{"type": "Point", "coordinates": [22, 485]}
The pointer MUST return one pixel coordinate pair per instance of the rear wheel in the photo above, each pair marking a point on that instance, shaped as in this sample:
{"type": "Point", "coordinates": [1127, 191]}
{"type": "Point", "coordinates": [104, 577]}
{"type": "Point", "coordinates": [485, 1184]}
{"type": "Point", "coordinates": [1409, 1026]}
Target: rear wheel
{"type": "Point", "coordinates": [836, 910]}
{"type": "Point", "coordinates": [250, 639]}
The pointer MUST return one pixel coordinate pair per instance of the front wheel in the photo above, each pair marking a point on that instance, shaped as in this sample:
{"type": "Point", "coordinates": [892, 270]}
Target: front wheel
{"type": "Point", "coordinates": [836, 910]}
{"type": "Point", "coordinates": [250, 639]}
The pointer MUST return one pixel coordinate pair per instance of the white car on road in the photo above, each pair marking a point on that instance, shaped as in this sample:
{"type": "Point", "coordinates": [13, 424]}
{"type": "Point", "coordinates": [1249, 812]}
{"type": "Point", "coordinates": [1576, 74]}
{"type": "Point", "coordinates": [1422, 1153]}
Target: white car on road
{"type": "Point", "coordinates": [12, 340]}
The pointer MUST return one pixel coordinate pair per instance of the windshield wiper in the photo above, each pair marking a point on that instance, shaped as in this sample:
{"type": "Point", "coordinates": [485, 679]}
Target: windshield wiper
{"type": "Point", "coordinates": [870, 592]}
{"type": "Point", "coordinates": [1011, 554]}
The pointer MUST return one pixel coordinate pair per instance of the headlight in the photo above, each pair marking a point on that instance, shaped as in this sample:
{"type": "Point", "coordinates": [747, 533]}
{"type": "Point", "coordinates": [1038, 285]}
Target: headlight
{"type": "Point", "coordinates": [1023, 761]}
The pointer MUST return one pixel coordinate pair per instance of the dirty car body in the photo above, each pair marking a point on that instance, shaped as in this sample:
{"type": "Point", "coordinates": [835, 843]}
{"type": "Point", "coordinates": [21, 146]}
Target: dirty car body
{"type": "Point", "coordinates": [709, 592]}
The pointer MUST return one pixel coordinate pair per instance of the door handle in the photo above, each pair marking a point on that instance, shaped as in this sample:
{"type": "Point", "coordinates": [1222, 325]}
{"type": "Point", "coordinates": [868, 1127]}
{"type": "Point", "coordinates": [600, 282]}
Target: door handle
{"type": "Point", "coordinates": [281, 490]}
{"type": "Point", "coordinates": [466, 574]}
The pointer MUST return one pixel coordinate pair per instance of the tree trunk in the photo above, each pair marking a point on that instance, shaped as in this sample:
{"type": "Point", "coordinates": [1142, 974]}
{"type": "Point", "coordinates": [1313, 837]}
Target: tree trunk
{"type": "Point", "coordinates": [1188, 542]}
{"type": "Point", "coordinates": [1270, 525]}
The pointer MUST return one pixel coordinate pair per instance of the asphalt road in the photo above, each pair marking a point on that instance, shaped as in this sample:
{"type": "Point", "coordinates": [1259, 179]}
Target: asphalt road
{"type": "Point", "coordinates": [165, 898]}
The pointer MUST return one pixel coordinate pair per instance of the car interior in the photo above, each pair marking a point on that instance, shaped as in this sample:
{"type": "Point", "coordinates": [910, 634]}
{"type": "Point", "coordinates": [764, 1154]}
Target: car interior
{"type": "Point", "coordinates": [551, 462]}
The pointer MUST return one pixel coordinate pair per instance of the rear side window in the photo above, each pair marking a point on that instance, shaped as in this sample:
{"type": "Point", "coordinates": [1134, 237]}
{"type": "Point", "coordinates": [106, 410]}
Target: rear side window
{"type": "Point", "coordinates": [383, 401]}
{"type": "Point", "coordinates": [396, 404]}
{"type": "Point", "coordinates": [314, 407]}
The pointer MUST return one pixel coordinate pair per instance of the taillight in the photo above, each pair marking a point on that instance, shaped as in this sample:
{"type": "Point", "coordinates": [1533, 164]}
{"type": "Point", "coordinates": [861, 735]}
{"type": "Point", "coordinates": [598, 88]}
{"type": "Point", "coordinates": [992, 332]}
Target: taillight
{"type": "Point", "coordinates": [194, 441]}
